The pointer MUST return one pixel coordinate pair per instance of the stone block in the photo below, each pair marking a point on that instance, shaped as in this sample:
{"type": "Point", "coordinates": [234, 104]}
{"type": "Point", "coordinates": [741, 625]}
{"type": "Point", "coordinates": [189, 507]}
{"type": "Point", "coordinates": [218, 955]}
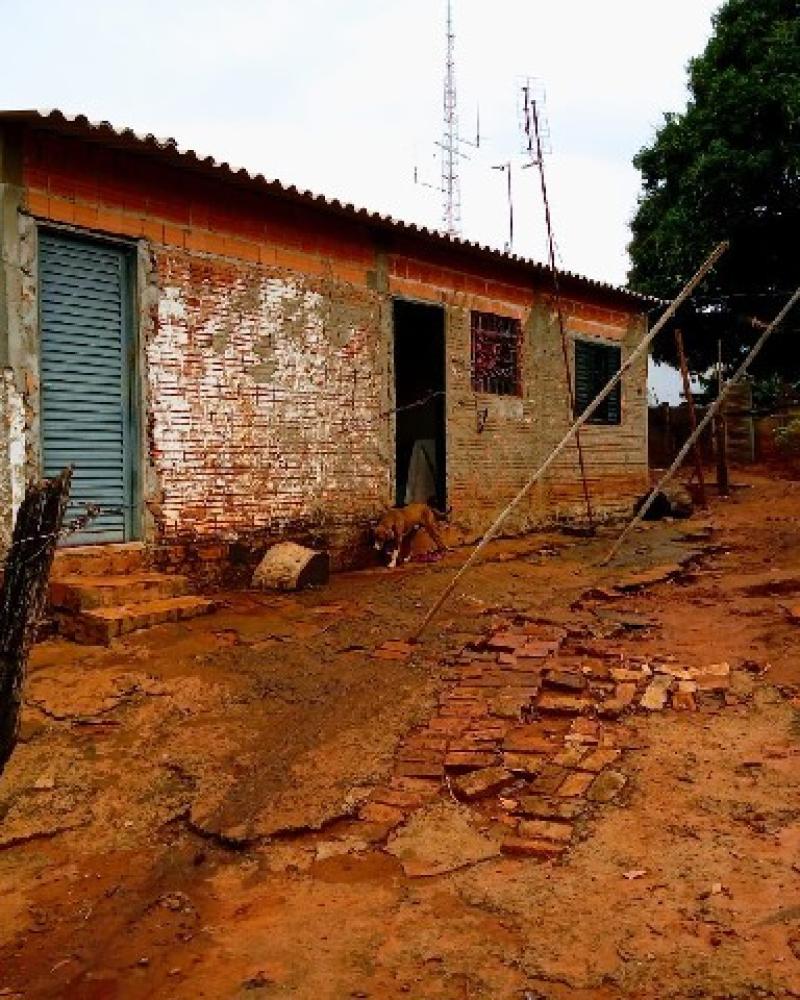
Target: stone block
{"type": "Point", "coordinates": [606, 786]}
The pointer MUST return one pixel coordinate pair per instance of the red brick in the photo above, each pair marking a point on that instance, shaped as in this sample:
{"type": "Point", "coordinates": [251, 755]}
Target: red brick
{"type": "Point", "coordinates": [536, 829]}
{"type": "Point", "coordinates": [575, 784]}
{"type": "Point", "coordinates": [526, 848]}
{"type": "Point", "coordinates": [563, 704]}
{"type": "Point", "coordinates": [482, 782]}
{"type": "Point", "coordinates": [524, 741]}
{"type": "Point", "coordinates": [599, 759]}
{"type": "Point", "coordinates": [524, 763]}
{"type": "Point", "coordinates": [379, 812]}
{"type": "Point", "coordinates": [418, 769]}
{"type": "Point", "coordinates": [469, 760]}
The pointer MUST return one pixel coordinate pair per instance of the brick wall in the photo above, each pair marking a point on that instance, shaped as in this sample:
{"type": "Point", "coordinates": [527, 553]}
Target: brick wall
{"type": "Point", "coordinates": [268, 364]}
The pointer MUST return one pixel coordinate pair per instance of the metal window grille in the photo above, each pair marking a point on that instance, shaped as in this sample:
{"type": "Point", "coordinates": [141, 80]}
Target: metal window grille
{"type": "Point", "coordinates": [496, 344]}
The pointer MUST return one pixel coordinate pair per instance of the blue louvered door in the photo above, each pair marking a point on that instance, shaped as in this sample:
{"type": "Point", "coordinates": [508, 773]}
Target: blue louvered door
{"type": "Point", "coordinates": [86, 380]}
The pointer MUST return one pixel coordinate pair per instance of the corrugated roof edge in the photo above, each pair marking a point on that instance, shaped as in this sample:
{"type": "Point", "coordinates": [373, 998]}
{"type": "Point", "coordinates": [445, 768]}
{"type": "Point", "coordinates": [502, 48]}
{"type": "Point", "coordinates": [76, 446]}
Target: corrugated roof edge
{"type": "Point", "coordinates": [168, 149]}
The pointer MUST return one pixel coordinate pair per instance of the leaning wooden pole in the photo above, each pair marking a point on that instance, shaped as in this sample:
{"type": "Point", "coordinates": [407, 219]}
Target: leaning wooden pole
{"type": "Point", "coordinates": [740, 371]}
{"type": "Point", "coordinates": [687, 392]}
{"type": "Point", "coordinates": [551, 250]}
{"type": "Point", "coordinates": [667, 315]}
{"type": "Point", "coordinates": [24, 593]}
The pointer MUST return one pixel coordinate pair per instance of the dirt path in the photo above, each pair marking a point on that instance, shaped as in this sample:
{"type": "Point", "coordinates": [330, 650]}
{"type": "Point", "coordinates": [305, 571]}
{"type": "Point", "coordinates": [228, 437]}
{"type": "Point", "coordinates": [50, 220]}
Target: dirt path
{"type": "Point", "coordinates": [269, 803]}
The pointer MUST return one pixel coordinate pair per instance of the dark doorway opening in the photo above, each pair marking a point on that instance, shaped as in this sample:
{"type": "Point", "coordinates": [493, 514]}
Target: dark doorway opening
{"type": "Point", "coordinates": [419, 367]}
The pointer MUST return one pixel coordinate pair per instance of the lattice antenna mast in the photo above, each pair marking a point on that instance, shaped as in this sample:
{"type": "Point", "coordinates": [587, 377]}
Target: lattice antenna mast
{"type": "Point", "coordinates": [451, 185]}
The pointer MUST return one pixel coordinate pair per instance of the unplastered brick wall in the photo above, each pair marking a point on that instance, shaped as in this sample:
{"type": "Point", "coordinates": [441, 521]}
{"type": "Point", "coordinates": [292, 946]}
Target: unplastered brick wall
{"type": "Point", "coordinates": [267, 358]}
{"type": "Point", "coordinates": [615, 456]}
{"type": "Point", "coordinates": [266, 408]}
{"type": "Point", "coordinates": [494, 442]}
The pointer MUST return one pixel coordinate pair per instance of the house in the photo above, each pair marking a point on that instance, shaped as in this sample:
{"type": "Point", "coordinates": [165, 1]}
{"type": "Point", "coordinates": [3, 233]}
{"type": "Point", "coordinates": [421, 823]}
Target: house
{"type": "Point", "coordinates": [224, 358]}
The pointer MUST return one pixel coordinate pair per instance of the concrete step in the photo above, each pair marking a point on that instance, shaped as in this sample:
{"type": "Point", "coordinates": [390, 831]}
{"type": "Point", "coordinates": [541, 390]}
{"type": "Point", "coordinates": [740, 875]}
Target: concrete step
{"type": "Point", "coordinates": [100, 625]}
{"type": "Point", "coordinates": [83, 593]}
{"type": "Point", "coordinates": [100, 560]}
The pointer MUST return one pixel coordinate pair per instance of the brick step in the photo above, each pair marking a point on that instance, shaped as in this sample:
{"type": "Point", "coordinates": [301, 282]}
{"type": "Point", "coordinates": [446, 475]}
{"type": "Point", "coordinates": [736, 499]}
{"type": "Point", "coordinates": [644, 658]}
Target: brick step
{"type": "Point", "coordinates": [100, 560]}
{"type": "Point", "coordinates": [101, 625]}
{"type": "Point", "coordinates": [84, 593]}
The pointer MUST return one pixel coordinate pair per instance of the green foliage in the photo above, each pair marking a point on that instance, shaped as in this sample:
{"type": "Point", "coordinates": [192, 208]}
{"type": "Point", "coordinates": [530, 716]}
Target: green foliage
{"type": "Point", "coordinates": [773, 392]}
{"type": "Point", "coordinates": [728, 167]}
{"type": "Point", "coordinates": [787, 438]}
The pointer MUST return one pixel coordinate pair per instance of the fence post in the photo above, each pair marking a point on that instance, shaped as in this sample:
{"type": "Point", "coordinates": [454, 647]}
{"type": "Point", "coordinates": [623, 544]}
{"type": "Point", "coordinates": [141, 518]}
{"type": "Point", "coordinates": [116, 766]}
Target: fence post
{"type": "Point", "coordinates": [24, 593]}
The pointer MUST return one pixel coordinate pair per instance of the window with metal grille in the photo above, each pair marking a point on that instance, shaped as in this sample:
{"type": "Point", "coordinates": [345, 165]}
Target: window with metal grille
{"type": "Point", "coordinates": [595, 365]}
{"type": "Point", "coordinates": [496, 344]}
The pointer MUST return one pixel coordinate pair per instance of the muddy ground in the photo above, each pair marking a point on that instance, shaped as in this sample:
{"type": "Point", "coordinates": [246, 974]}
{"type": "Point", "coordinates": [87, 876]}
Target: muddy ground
{"type": "Point", "coordinates": [224, 809]}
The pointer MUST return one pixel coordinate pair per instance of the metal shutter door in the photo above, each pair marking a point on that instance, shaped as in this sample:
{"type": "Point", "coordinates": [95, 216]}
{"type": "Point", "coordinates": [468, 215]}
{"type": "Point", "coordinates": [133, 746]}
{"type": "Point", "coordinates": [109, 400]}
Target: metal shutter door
{"type": "Point", "coordinates": [85, 379]}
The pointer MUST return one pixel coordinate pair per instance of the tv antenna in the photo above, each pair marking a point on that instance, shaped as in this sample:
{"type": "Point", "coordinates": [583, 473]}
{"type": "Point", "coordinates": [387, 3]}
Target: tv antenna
{"type": "Point", "coordinates": [506, 169]}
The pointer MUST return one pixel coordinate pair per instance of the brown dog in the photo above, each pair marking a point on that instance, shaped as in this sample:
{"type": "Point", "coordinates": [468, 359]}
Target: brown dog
{"type": "Point", "coordinates": [400, 523]}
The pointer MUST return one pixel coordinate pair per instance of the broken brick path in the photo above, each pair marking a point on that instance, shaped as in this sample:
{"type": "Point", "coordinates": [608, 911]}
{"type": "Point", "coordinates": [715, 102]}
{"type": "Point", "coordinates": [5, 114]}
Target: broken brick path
{"type": "Point", "coordinates": [584, 785]}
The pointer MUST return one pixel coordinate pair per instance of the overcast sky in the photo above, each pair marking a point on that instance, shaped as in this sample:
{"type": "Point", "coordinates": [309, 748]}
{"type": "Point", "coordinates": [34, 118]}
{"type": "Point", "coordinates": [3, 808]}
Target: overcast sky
{"type": "Point", "coordinates": [346, 98]}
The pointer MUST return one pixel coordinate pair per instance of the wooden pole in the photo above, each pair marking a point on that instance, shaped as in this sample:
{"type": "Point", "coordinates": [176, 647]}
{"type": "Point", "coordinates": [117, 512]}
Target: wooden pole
{"type": "Point", "coordinates": [721, 434]}
{"type": "Point", "coordinates": [551, 249]}
{"type": "Point", "coordinates": [24, 593]}
{"type": "Point", "coordinates": [710, 413]}
{"type": "Point", "coordinates": [687, 392]}
{"type": "Point", "coordinates": [666, 316]}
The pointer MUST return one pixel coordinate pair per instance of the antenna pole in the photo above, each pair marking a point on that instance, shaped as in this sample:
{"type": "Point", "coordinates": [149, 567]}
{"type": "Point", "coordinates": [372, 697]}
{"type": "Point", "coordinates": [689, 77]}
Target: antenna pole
{"type": "Point", "coordinates": [532, 114]}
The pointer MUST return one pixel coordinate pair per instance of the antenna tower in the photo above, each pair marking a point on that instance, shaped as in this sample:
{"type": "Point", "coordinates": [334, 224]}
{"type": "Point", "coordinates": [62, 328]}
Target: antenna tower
{"type": "Point", "coordinates": [451, 185]}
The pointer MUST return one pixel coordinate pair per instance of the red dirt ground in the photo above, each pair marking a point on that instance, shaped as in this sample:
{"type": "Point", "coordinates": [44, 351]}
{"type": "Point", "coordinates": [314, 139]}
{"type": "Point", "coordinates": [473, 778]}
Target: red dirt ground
{"type": "Point", "coordinates": [201, 810]}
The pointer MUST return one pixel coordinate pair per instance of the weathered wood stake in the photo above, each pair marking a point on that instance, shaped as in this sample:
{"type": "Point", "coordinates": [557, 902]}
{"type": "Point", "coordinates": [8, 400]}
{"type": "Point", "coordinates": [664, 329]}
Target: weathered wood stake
{"type": "Point", "coordinates": [24, 593]}
{"type": "Point", "coordinates": [687, 392]}
{"type": "Point", "coordinates": [721, 434]}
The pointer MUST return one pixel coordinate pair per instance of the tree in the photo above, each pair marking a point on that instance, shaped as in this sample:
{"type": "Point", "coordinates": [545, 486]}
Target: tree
{"type": "Point", "coordinates": [728, 167]}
